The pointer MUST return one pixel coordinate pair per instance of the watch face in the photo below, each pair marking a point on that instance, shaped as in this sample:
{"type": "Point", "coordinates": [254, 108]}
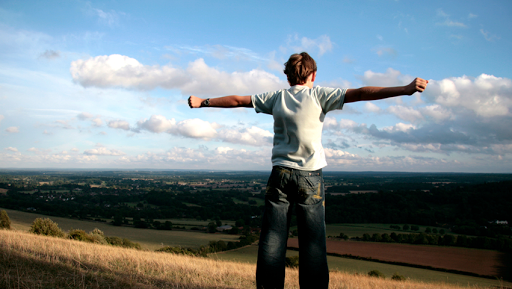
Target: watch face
{"type": "Point", "coordinates": [207, 102]}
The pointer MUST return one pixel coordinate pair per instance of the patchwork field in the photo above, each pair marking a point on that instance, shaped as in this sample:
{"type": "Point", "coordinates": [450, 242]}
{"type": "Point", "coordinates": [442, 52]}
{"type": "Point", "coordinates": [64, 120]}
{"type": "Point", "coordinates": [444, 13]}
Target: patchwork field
{"type": "Point", "coordinates": [249, 254]}
{"type": "Point", "coordinates": [149, 239]}
{"type": "Point", "coordinates": [31, 261]}
{"type": "Point", "coordinates": [482, 262]}
{"type": "Point", "coordinates": [153, 239]}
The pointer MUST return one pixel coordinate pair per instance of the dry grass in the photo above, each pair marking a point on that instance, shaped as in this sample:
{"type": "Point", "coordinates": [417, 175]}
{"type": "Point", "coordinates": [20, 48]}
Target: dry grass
{"type": "Point", "coordinates": [31, 261]}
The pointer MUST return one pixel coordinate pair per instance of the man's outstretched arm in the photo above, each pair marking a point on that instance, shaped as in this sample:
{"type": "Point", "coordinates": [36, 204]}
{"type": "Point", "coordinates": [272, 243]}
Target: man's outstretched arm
{"type": "Point", "coordinates": [226, 101]}
{"type": "Point", "coordinates": [375, 93]}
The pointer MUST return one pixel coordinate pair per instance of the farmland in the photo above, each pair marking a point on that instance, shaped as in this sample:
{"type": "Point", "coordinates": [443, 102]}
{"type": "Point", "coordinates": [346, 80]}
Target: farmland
{"type": "Point", "coordinates": [149, 239]}
{"type": "Point", "coordinates": [481, 262]}
{"type": "Point", "coordinates": [249, 255]}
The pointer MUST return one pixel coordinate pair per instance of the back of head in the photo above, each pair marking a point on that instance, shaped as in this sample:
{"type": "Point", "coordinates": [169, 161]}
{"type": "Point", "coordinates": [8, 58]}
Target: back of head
{"type": "Point", "coordinates": [299, 67]}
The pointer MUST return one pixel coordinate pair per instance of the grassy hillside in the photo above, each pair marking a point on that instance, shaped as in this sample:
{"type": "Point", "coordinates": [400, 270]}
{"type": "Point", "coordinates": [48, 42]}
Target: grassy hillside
{"type": "Point", "coordinates": [149, 239]}
{"type": "Point", "coordinates": [31, 261]}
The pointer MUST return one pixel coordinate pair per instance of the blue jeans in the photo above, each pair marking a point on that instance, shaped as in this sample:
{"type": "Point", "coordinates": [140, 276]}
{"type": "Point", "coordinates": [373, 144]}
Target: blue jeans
{"type": "Point", "coordinates": [305, 189]}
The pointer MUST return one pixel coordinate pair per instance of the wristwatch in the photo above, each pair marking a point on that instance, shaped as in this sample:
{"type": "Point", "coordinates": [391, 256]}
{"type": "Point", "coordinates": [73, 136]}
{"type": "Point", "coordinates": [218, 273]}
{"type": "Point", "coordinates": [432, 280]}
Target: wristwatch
{"type": "Point", "coordinates": [207, 102]}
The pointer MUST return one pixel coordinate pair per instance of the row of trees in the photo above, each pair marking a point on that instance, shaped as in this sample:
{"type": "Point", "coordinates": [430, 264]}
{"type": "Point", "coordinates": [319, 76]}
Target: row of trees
{"type": "Point", "coordinates": [469, 208]}
{"type": "Point", "coordinates": [212, 247]}
{"type": "Point", "coordinates": [502, 243]}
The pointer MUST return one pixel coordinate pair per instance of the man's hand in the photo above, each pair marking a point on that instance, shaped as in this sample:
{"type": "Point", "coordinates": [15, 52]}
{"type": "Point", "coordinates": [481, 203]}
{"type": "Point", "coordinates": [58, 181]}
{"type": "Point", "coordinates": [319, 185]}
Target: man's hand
{"type": "Point", "coordinates": [417, 84]}
{"type": "Point", "coordinates": [194, 101]}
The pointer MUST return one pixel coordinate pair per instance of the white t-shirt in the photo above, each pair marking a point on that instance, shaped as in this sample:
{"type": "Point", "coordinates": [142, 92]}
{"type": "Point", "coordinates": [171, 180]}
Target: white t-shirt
{"type": "Point", "coordinates": [299, 114]}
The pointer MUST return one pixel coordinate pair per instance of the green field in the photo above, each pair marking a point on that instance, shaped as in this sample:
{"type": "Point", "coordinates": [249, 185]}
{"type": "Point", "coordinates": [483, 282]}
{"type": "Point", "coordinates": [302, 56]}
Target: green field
{"type": "Point", "coordinates": [154, 239]}
{"type": "Point", "coordinates": [249, 255]}
{"type": "Point", "coordinates": [149, 239]}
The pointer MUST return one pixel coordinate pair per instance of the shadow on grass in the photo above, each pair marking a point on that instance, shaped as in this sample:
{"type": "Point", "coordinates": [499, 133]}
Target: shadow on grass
{"type": "Point", "coordinates": [18, 270]}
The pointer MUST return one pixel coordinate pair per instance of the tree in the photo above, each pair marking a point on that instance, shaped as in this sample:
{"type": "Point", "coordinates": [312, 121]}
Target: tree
{"type": "Point", "coordinates": [428, 230]}
{"type": "Point", "coordinates": [386, 238]}
{"type": "Point", "coordinates": [441, 231]}
{"type": "Point", "coordinates": [405, 227]}
{"type": "Point", "coordinates": [5, 222]}
{"type": "Point", "coordinates": [376, 273]}
{"type": "Point", "coordinates": [434, 231]}
{"type": "Point", "coordinates": [239, 223]}
{"type": "Point", "coordinates": [118, 219]}
{"type": "Point", "coordinates": [46, 227]}
{"type": "Point", "coordinates": [212, 227]}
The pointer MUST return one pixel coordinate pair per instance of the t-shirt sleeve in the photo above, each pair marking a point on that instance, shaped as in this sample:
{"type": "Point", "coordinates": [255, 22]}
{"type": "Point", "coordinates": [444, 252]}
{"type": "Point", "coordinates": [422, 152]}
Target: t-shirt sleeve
{"type": "Point", "coordinates": [264, 102]}
{"type": "Point", "coordinates": [331, 98]}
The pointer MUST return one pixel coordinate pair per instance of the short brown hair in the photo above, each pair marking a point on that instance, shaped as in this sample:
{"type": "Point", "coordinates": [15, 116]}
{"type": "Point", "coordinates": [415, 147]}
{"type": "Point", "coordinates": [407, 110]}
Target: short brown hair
{"type": "Point", "coordinates": [299, 67]}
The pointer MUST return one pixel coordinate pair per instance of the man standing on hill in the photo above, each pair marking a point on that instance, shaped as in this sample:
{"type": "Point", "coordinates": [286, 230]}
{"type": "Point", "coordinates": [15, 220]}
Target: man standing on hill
{"type": "Point", "coordinates": [298, 158]}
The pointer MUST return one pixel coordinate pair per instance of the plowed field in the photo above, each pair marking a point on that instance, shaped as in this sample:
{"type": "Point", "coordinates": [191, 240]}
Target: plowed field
{"type": "Point", "coordinates": [482, 262]}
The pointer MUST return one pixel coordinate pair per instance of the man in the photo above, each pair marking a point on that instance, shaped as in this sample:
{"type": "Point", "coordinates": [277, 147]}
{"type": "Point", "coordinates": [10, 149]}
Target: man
{"type": "Point", "coordinates": [298, 158]}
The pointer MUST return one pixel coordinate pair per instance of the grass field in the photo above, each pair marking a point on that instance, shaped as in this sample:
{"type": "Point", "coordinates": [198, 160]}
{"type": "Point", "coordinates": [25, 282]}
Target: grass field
{"type": "Point", "coordinates": [31, 261]}
{"type": "Point", "coordinates": [149, 239]}
{"type": "Point", "coordinates": [249, 255]}
{"type": "Point", "coordinates": [153, 239]}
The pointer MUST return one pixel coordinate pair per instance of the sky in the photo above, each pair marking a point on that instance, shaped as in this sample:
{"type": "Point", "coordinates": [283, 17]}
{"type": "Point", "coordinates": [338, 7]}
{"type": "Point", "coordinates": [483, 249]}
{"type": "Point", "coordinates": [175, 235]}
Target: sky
{"type": "Point", "coordinates": [104, 84]}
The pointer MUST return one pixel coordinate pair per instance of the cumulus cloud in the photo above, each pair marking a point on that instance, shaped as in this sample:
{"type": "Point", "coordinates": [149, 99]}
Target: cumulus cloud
{"type": "Point", "coordinates": [225, 157]}
{"type": "Point", "coordinates": [251, 136]}
{"type": "Point", "coordinates": [12, 129]}
{"type": "Point", "coordinates": [198, 78]}
{"type": "Point", "coordinates": [370, 107]}
{"type": "Point", "coordinates": [405, 113]}
{"type": "Point", "coordinates": [389, 78]}
{"type": "Point", "coordinates": [197, 128]}
{"type": "Point", "coordinates": [119, 124]}
{"type": "Point", "coordinates": [486, 95]}
{"type": "Point", "coordinates": [102, 151]}
{"type": "Point", "coordinates": [84, 116]}
{"type": "Point", "coordinates": [459, 114]}
{"type": "Point", "coordinates": [11, 149]}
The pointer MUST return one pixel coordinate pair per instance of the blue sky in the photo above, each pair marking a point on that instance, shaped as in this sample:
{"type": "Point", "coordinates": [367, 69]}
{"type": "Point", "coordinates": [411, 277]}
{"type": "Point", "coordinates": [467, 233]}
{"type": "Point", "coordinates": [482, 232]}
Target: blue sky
{"type": "Point", "coordinates": [103, 84]}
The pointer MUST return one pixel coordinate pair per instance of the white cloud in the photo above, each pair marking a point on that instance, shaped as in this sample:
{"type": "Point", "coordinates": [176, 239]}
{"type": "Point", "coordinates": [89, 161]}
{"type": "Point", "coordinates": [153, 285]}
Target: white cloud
{"type": "Point", "coordinates": [250, 136]}
{"type": "Point", "coordinates": [371, 107]}
{"type": "Point", "coordinates": [1, 118]}
{"type": "Point", "coordinates": [12, 129]}
{"type": "Point", "coordinates": [298, 44]}
{"type": "Point", "coordinates": [11, 149]}
{"type": "Point", "coordinates": [157, 124]}
{"type": "Point", "coordinates": [197, 128]}
{"type": "Point", "coordinates": [102, 151]}
{"type": "Point", "coordinates": [97, 122]}
{"type": "Point", "coordinates": [437, 112]}
{"type": "Point", "coordinates": [198, 78]}
{"type": "Point", "coordinates": [120, 124]}
{"type": "Point", "coordinates": [486, 95]}
{"type": "Point", "coordinates": [84, 116]}
{"type": "Point", "coordinates": [405, 113]}
{"type": "Point", "coordinates": [390, 78]}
